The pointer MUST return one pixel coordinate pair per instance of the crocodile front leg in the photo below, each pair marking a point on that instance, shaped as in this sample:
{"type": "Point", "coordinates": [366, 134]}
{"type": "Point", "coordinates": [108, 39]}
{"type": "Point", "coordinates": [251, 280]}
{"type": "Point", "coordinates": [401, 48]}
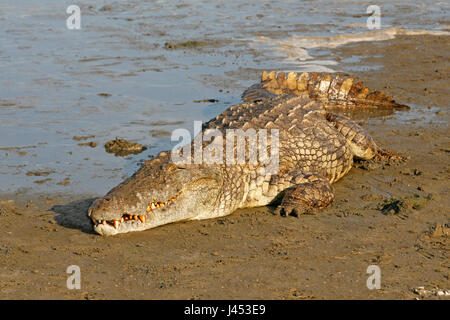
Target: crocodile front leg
{"type": "Point", "coordinates": [311, 191]}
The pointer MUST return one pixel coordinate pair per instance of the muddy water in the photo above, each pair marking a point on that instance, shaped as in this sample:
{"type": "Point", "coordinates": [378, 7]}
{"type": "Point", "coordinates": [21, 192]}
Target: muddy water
{"type": "Point", "coordinates": [64, 93]}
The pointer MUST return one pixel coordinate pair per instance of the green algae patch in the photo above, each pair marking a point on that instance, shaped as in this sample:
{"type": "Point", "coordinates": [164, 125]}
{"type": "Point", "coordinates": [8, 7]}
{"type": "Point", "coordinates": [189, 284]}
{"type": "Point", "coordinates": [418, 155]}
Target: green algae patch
{"type": "Point", "coordinates": [395, 206]}
{"type": "Point", "coordinates": [122, 147]}
{"type": "Point", "coordinates": [191, 44]}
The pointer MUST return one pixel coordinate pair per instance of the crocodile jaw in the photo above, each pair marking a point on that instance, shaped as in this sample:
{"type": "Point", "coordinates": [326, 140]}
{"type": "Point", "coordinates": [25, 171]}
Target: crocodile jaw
{"type": "Point", "coordinates": [186, 195]}
{"type": "Point", "coordinates": [108, 230]}
{"type": "Point", "coordinates": [182, 208]}
{"type": "Point", "coordinates": [124, 227]}
{"type": "Point", "coordinates": [110, 216]}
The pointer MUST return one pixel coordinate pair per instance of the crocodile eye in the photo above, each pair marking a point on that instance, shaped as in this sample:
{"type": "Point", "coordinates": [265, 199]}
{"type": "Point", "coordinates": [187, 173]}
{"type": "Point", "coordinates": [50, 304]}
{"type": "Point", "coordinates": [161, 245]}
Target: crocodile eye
{"type": "Point", "coordinates": [173, 168]}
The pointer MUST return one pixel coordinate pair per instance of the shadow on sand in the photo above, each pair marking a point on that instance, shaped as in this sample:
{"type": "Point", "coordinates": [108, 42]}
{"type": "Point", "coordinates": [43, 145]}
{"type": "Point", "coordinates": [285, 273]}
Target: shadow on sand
{"type": "Point", "coordinates": [74, 215]}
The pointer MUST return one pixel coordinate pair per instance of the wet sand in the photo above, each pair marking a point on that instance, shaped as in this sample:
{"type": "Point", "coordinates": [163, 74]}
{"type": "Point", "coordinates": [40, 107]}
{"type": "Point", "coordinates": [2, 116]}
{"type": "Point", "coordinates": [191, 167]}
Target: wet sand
{"type": "Point", "coordinates": [254, 254]}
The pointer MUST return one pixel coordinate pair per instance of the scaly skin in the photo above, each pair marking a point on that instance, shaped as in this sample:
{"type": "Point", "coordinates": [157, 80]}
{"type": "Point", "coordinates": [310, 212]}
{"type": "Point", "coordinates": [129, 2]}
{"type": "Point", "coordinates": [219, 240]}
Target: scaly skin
{"type": "Point", "coordinates": [333, 90]}
{"type": "Point", "coordinates": [316, 149]}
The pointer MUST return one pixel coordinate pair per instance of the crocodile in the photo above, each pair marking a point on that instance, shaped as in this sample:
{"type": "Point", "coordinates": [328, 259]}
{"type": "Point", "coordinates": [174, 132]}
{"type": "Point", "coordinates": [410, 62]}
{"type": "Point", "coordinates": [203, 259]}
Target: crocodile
{"type": "Point", "coordinates": [315, 147]}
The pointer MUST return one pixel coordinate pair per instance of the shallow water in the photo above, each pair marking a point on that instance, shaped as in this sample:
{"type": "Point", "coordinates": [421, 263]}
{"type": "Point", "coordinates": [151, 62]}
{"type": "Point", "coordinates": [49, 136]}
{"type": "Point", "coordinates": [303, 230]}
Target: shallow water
{"type": "Point", "coordinates": [115, 78]}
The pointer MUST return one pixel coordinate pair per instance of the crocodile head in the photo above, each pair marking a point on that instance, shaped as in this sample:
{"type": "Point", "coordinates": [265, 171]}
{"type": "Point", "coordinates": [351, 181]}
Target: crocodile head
{"type": "Point", "coordinates": [158, 193]}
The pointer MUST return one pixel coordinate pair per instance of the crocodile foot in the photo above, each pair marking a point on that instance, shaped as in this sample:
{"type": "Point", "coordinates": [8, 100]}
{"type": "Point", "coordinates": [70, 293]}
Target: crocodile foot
{"type": "Point", "coordinates": [311, 193]}
{"type": "Point", "coordinates": [381, 159]}
{"type": "Point", "coordinates": [384, 155]}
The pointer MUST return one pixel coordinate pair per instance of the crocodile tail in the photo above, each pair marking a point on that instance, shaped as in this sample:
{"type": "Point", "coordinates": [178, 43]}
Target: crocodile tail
{"type": "Point", "coordinates": [257, 93]}
{"type": "Point", "coordinates": [332, 89]}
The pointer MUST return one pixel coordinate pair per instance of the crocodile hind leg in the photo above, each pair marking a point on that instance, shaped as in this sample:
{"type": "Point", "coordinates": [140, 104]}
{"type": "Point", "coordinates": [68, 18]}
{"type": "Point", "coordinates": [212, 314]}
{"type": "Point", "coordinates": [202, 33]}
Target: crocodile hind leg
{"type": "Point", "coordinates": [361, 143]}
{"type": "Point", "coordinates": [310, 192]}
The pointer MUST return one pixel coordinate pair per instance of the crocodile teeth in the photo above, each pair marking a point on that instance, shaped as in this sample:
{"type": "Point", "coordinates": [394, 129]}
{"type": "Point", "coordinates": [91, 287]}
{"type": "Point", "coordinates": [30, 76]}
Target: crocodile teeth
{"type": "Point", "coordinates": [103, 222]}
{"type": "Point", "coordinates": [116, 224]}
{"type": "Point", "coordinates": [155, 205]}
{"type": "Point", "coordinates": [142, 218]}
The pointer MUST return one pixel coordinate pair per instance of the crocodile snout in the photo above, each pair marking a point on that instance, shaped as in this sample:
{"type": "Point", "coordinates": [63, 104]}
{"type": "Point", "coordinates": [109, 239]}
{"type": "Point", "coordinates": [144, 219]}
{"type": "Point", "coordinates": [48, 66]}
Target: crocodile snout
{"type": "Point", "coordinates": [103, 206]}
